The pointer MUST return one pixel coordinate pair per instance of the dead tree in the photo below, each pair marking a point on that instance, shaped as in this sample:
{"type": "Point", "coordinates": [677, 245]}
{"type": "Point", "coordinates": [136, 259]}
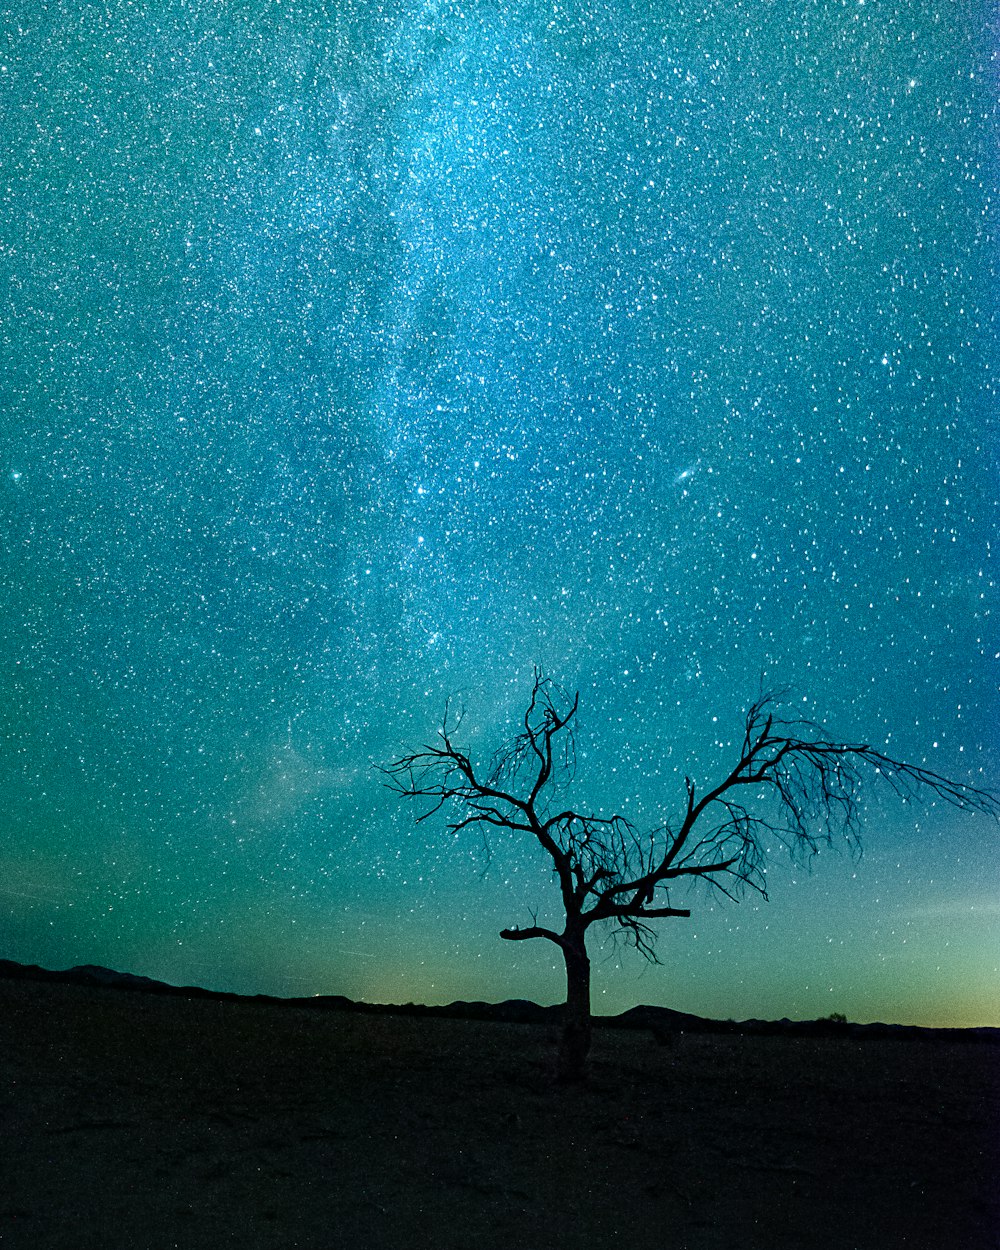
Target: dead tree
{"type": "Point", "coordinates": [803, 787]}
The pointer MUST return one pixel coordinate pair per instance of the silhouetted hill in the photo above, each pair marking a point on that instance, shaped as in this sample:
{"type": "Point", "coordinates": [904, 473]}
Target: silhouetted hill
{"type": "Point", "coordinates": [663, 1022]}
{"type": "Point", "coordinates": [118, 980]}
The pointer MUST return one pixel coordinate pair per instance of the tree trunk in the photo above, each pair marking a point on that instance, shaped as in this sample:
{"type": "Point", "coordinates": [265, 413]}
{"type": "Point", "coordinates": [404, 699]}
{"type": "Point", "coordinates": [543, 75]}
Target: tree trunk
{"type": "Point", "coordinates": [575, 1043]}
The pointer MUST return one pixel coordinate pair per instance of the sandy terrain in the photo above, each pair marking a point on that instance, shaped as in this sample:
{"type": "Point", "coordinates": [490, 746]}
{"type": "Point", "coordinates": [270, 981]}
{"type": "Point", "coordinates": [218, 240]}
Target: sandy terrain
{"type": "Point", "coordinates": [129, 1120]}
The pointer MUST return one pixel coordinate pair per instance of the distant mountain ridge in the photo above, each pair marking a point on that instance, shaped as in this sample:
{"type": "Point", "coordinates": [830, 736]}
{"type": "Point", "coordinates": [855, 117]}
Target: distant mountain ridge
{"type": "Point", "coordinates": [663, 1023]}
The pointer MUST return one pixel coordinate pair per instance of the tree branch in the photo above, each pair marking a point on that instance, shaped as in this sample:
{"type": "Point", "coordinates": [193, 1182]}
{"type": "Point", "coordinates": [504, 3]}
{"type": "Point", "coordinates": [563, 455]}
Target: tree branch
{"type": "Point", "coordinates": [656, 913]}
{"type": "Point", "coordinates": [524, 935]}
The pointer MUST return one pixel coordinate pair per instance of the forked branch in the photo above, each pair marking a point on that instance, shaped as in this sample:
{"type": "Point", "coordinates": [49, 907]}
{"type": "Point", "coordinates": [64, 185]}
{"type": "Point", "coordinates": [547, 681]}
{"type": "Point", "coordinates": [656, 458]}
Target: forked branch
{"type": "Point", "coordinates": [606, 870]}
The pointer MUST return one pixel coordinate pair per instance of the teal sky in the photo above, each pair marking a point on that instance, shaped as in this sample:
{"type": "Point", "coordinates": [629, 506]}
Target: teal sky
{"type": "Point", "coordinates": [357, 356]}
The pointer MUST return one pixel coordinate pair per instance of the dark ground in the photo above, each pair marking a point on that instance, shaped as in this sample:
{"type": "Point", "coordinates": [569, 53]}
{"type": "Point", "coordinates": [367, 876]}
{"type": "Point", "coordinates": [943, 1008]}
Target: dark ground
{"type": "Point", "coordinates": [131, 1120]}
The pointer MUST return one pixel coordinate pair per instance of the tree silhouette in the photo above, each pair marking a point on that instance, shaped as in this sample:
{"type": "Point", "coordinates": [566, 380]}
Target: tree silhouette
{"type": "Point", "coordinates": [607, 872]}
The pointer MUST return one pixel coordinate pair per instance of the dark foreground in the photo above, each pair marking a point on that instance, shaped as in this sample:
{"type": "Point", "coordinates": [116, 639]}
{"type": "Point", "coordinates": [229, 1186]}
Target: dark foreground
{"type": "Point", "coordinates": [130, 1120]}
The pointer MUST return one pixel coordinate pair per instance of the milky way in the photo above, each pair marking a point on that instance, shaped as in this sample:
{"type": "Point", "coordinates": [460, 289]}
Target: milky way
{"type": "Point", "coordinates": [359, 359]}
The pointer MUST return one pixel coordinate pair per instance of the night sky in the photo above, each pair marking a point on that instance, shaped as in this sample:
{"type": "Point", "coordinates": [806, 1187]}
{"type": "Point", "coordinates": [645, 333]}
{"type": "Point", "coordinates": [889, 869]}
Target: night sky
{"type": "Point", "coordinates": [359, 355]}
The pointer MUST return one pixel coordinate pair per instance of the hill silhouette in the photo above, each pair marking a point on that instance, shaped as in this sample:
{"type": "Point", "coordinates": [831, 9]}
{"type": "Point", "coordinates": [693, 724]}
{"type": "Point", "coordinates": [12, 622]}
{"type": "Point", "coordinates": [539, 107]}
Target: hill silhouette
{"type": "Point", "coordinates": [662, 1022]}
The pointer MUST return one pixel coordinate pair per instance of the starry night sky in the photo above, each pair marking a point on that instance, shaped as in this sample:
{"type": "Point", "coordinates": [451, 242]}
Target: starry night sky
{"type": "Point", "coordinates": [357, 356]}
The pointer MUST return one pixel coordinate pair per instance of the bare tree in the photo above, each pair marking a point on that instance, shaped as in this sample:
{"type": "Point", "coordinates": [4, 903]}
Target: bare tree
{"type": "Point", "coordinates": [804, 788]}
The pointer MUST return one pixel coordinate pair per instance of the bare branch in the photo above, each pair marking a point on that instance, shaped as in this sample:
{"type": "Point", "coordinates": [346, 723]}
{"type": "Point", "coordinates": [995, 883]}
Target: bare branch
{"type": "Point", "coordinates": [535, 931]}
{"type": "Point", "coordinates": [657, 913]}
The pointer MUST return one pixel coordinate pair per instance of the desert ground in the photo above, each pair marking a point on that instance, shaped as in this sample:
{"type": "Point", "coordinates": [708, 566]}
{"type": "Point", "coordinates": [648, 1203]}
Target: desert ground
{"type": "Point", "coordinates": [130, 1120]}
